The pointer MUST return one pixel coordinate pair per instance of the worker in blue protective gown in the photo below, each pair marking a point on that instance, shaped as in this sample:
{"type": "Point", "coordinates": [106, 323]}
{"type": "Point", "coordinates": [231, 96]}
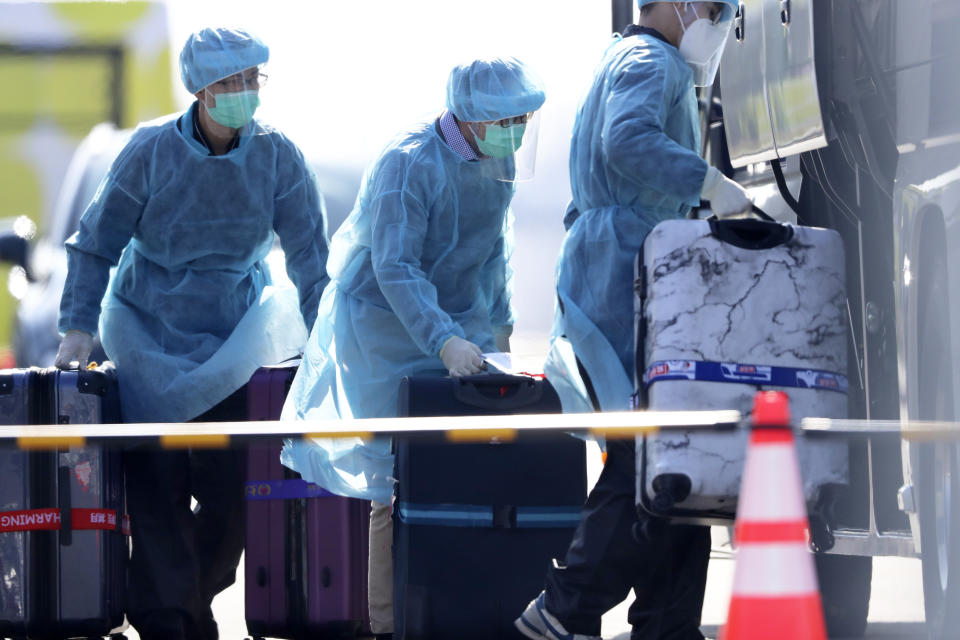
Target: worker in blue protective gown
{"type": "Point", "coordinates": [634, 162]}
{"type": "Point", "coordinates": [420, 284]}
{"type": "Point", "coordinates": [187, 213]}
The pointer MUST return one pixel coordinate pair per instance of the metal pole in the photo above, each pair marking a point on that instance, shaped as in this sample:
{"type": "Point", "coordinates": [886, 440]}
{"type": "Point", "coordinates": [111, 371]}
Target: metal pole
{"type": "Point", "coordinates": [116, 89]}
{"type": "Point", "coordinates": [622, 11]}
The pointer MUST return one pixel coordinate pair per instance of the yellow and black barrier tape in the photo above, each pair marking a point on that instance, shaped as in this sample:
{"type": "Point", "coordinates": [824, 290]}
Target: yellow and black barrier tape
{"type": "Point", "coordinates": [454, 429]}
{"type": "Point", "coordinates": [31, 443]}
{"type": "Point", "coordinates": [610, 425]}
{"type": "Point", "coordinates": [195, 441]}
{"type": "Point", "coordinates": [910, 430]}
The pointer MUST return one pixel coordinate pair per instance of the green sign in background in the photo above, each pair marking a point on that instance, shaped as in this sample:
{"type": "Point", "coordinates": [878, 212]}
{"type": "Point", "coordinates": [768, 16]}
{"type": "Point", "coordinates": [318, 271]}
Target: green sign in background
{"type": "Point", "coordinates": [56, 90]}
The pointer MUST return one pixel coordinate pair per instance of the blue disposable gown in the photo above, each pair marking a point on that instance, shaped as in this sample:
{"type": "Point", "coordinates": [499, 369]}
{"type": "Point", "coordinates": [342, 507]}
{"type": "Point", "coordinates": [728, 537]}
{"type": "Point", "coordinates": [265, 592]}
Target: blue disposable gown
{"type": "Point", "coordinates": [633, 163]}
{"type": "Point", "coordinates": [422, 257]}
{"type": "Point", "coordinates": [191, 311]}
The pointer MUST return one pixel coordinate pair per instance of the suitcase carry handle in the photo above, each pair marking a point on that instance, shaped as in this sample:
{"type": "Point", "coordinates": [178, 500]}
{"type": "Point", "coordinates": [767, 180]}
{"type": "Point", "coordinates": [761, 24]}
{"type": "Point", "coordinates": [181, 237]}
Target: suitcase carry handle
{"type": "Point", "coordinates": [750, 234]}
{"type": "Point", "coordinates": [523, 391]}
{"type": "Point", "coordinates": [755, 210]}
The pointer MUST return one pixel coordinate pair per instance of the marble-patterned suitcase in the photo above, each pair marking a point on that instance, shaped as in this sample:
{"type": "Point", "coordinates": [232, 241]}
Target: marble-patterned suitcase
{"type": "Point", "coordinates": [724, 309]}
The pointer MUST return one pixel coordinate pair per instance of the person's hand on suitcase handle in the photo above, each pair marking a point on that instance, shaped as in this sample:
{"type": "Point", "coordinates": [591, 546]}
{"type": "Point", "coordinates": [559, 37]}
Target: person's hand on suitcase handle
{"type": "Point", "coordinates": [461, 357]}
{"type": "Point", "coordinates": [727, 198]}
{"type": "Point", "coordinates": [75, 347]}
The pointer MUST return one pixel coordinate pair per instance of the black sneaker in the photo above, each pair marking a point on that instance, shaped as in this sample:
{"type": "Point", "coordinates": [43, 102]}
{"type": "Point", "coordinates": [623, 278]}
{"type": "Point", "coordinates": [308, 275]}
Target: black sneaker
{"type": "Point", "coordinates": [161, 624]}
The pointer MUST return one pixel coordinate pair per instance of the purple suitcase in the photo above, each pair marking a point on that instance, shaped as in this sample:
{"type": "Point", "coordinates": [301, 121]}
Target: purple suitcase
{"type": "Point", "coordinates": [306, 553]}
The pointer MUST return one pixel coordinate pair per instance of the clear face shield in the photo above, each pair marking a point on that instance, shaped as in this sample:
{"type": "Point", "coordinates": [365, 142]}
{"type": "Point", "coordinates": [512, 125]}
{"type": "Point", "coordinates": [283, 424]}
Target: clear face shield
{"type": "Point", "coordinates": [706, 26]}
{"type": "Point", "coordinates": [508, 146]}
{"type": "Point", "coordinates": [232, 101]}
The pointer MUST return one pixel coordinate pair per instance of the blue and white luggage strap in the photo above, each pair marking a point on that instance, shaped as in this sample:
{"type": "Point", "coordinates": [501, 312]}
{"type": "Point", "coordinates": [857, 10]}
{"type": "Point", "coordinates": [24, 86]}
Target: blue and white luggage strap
{"type": "Point", "coordinates": [289, 489]}
{"type": "Point", "coordinates": [740, 373]}
{"type": "Point", "coordinates": [488, 516]}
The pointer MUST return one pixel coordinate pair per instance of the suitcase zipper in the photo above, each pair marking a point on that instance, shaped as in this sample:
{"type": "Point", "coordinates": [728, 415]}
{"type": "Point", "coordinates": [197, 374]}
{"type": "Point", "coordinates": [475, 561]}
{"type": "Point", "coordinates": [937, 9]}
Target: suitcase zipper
{"type": "Point", "coordinates": [297, 571]}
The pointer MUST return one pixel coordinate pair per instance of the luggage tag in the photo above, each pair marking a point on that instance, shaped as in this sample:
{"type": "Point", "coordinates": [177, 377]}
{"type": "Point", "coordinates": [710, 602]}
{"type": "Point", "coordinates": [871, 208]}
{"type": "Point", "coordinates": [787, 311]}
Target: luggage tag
{"type": "Point", "coordinates": [504, 363]}
{"type": "Point", "coordinates": [497, 362]}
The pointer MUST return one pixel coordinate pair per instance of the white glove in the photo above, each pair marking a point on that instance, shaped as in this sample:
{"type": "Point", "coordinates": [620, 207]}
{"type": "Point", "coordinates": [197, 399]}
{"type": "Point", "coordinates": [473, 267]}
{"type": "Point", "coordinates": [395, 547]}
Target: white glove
{"type": "Point", "coordinates": [727, 198]}
{"type": "Point", "coordinates": [75, 347]}
{"type": "Point", "coordinates": [461, 357]}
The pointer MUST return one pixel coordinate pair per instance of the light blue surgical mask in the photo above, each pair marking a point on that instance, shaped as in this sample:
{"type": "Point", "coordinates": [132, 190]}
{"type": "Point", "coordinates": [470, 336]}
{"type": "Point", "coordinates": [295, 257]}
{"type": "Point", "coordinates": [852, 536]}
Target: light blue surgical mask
{"type": "Point", "coordinates": [234, 109]}
{"type": "Point", "coordinates": [501, 142]}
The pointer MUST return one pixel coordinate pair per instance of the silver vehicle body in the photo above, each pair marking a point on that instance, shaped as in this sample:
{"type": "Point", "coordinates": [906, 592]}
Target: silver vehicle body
{"type": "Point", "coordinates": [861, 98]}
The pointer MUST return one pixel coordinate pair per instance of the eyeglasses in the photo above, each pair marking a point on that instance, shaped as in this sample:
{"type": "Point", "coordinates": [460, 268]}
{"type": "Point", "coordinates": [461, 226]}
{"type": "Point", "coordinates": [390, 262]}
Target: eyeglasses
{"type": "Point", "coordinates": [509, 122]}
{"type": "Point", "coordinates": [716, 12]}
{"type": "Point", "coordinates": [241, 80]}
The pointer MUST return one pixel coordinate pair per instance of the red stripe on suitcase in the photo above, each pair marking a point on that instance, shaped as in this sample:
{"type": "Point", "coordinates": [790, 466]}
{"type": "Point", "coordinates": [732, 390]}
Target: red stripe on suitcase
{"type": "Point", "coordinates": [30, 520]}
{"type": "Point", "coordinates": [49, 520]}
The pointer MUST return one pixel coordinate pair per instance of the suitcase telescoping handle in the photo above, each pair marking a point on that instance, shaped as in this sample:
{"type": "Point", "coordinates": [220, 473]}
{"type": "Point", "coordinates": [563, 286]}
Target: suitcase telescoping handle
{"type": "Point", "coordinates": [753, 234]}
{"type": "Point", "coordinates": [503, 392]}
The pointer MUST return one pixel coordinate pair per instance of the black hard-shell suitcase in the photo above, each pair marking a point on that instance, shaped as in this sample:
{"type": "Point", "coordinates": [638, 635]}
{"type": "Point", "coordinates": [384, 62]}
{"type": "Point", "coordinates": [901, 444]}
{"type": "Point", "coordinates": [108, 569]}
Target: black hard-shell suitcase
{"type": "Point", "coordinates": [477, 525]}
{"type": "Point", "coordinates": [63, 548]}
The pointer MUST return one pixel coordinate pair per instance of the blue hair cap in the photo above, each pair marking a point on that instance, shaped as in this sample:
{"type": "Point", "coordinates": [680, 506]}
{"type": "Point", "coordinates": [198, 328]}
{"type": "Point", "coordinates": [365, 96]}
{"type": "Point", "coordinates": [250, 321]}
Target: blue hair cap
{"type": "Point", "coordinates": [213, 54]}
{"type": "Point", "coordinates": [732, 4]}
{"type": "Point", "coordinates": [492, 89]}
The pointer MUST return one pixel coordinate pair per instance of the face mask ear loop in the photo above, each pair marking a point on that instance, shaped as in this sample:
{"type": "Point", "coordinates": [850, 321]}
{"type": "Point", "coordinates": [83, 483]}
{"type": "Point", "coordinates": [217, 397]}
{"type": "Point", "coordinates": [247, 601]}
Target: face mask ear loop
{"type": "Point", "coordinates": [696, 16]}
{"type": "Point", "coordinates": [683, 27]}
{"type": "Point", "coordinates": [473, 130]}
{"type": "Point", "coordinates": [208, 98]}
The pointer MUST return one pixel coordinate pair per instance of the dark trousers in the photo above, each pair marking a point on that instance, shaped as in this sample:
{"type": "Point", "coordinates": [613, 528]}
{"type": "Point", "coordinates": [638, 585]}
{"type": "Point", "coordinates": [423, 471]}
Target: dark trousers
{"type": "Point", "coordinates": [183, 558]}
{"type": "Point", "coordinates": [609, 556]}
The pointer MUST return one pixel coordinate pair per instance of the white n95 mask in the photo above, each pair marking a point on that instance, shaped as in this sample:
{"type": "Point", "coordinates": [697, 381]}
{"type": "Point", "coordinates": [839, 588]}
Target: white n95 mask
{"type": "Point", "coordinates": [702, 47]}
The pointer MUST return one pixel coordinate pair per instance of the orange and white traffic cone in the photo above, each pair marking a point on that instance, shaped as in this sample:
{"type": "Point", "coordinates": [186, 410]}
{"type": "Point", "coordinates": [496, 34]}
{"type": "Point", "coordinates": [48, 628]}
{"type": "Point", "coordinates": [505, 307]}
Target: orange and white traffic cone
{"type": "Point", "coordinates": [775, 592]}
